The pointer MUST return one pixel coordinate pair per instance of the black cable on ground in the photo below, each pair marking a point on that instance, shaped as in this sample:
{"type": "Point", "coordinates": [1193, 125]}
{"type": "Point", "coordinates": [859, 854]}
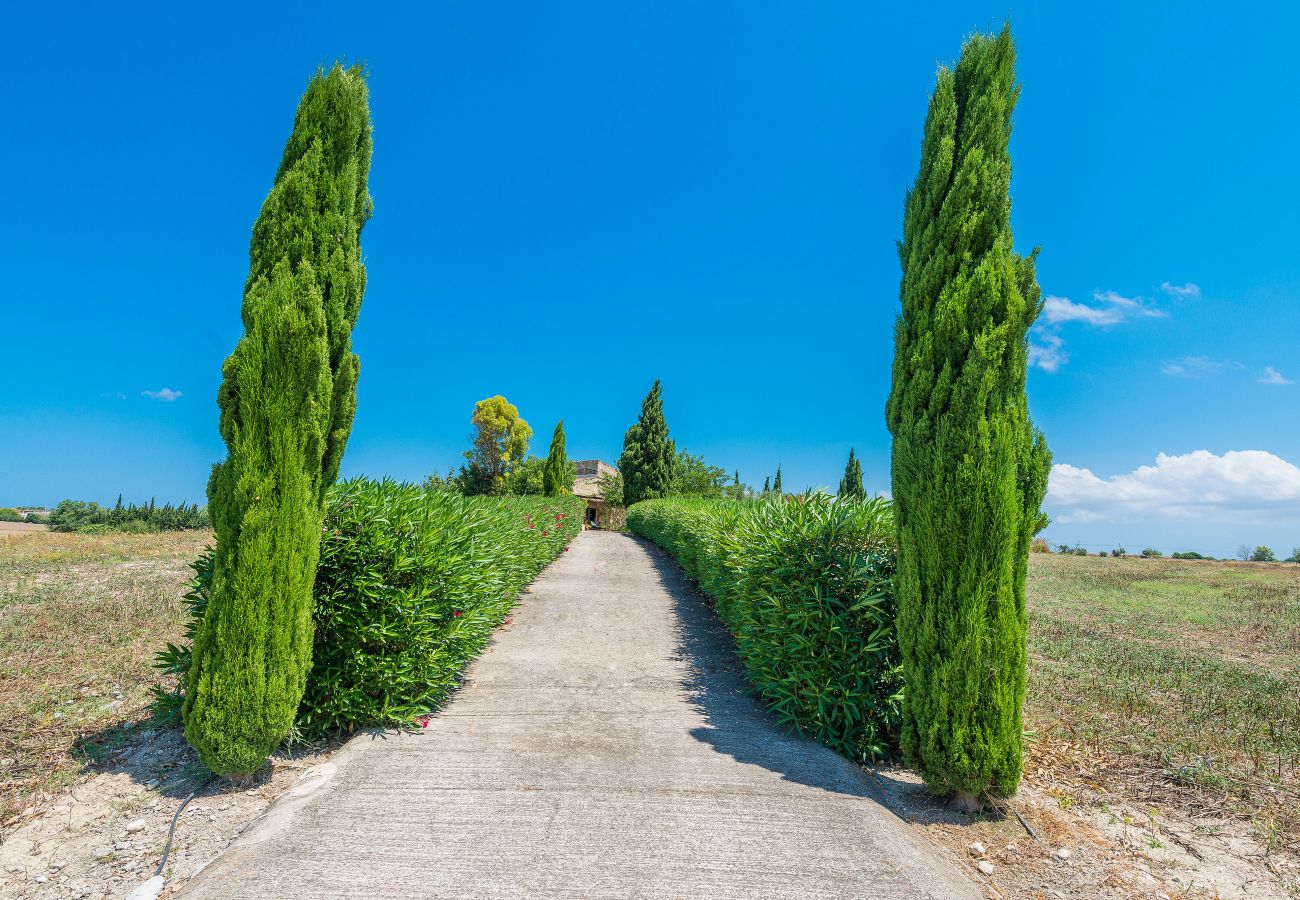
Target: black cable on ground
{"type": "Point", "coordinates": [167, 848]}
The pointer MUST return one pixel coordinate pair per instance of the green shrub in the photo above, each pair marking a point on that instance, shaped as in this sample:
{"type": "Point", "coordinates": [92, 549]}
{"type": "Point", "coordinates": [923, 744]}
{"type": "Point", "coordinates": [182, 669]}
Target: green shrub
{"type": "Point", "coordinates": [1151, 553]}
{"type": "Point", "coordinates": [8, 514]}
{"type": "Point", "coordinates": [806, 588]}
{"type": "Point", "coordinates": [410, 585]}
{"type": "Point", "coordinates": [1040, 545]}
{"type": "Point", "coordinates": [1118, 552]}
{"type": "Point", "coordinates": [1188, 554]}
{"type": "Point", "coordinates": [76, 515]}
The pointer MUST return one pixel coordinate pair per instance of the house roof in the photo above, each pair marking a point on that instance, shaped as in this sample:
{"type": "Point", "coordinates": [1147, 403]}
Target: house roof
{"type": "Point", "coordinates": [589, 470]}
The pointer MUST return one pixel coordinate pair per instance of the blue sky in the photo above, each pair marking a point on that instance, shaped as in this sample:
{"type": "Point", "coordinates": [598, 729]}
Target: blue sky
{"type": "Point", "coordinates": [572, 202]}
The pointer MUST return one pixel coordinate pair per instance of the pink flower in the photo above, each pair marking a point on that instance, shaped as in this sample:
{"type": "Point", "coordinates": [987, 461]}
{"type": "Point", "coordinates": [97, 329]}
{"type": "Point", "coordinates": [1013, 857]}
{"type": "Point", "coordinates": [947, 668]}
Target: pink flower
{"type": "Point", "coordinates": [456, 614]}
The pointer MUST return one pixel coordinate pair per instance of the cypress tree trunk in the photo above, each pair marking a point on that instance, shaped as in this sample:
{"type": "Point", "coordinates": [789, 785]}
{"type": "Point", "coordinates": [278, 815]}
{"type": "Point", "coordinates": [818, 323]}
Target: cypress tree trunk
{"type": "Point", "coordinates": [555, 474]}
{"type": "Point", "coordinates": [287, 399]}
{"type": "Point", "coordinates": [649, 454]}
{"type": "Point", "coordinates": [969, 470]}
{"type": "Point", "coordinates": [851, 483]}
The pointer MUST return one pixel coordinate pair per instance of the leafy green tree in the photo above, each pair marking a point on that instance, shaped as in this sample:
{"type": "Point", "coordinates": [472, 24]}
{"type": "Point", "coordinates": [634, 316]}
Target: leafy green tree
{"type": "Point", "coordinates": [776, 482]}
{"type": "Point", "coordinates": [694, 477]}
{"type": "Point", "coordinates": [649, 454]}
{"type": "Point", "coordinates": [498, 444]}
{"type": "Point", "coordinates": [610, 485]}
{"type": "Point", "coordinates": [287, 399]}
{"type": "Point", "coordinates": [527, 478]}
{"type": "Point", "coordinates": [558, 476]}
{"type": "Point", "coordinates": [851, 484]}
{"type": "Point", "coordinates": [969, 469]}
{"type": "Point", "coordinates": [1295, 555]}
{"type": "Point", "coordinates": [1262, 554]}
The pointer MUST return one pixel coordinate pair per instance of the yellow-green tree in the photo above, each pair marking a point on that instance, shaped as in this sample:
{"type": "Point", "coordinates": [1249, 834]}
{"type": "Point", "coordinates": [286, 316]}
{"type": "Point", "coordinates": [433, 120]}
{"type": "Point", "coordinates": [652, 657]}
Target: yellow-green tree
{"type": "Point", "coordinates": [499, 443]}
{"type": "Point", "coordinates": [287, 398]}
{"type": "Point", "coordinates": [969, 469]}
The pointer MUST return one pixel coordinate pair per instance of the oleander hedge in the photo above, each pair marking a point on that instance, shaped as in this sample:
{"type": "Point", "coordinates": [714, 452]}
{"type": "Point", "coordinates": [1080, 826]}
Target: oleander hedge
{"type": "Point", "coordinates": [805, 585]}
{"type": "Point", "coordinates": [410, 585]}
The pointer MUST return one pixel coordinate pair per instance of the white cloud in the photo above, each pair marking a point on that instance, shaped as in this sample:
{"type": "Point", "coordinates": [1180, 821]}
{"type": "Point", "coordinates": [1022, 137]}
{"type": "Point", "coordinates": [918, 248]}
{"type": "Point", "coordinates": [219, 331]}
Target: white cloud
{"type": "Point", "coordinates": [1273, 376]}
{"type": "Point", "coordinates": [1194, 367]}
{"type": "Point", "coordinates": [1047, 347]}
{"type": "Point", "coordinates": [166, 395]}
{"type": "Point", "coordinates": [1189, 291]}
{"type": "Point", "coordinates": [1063, 309]}
{"type": "Point", "coordinates": [1048, 354]}
{"type": "Point", "coordinates": [1240, 485]}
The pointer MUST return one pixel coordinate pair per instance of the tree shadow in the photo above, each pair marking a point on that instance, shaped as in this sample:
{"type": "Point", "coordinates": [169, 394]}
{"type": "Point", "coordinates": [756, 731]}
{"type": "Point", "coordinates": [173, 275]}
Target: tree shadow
{"type": "Point", "coordinates": [739, 726]}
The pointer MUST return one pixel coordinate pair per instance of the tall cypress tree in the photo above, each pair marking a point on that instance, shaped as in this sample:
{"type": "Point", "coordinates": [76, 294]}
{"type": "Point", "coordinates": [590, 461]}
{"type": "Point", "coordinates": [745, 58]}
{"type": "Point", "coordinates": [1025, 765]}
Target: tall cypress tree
{"type": "Point", "coordinates": [767, 485]}
{"type": "Point", "coordinates": [969, 470]}
{"type": "Point", "coordinates": [851, 484]}
{"type": "Point", "coordinates": [557, 477]}
{"type": "Point", "coordinates": [649, 454]}
{"type": "Point", "coordinates": [776, 482]}
{"type": "Point", "coordinates": [287, 399]}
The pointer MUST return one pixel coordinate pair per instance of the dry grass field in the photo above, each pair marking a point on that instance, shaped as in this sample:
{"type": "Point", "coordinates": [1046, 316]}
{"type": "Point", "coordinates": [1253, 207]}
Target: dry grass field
{"type": "Point", "coordinates": [1172, 685]}
{"type": "Point", "coordinates": [81, 617]}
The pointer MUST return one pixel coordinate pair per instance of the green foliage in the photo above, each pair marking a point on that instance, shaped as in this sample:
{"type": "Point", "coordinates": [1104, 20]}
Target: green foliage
{"type": "Point", "coordinates": [851, 486]}
{"type": "Point", "coordinates": [558, 474]}
{"type": "Point", "coordinates": [499, 445]}
{"type": "Point", "coordinates": [806, 589]}
{"type": "Point", "coordinates": [610, 485]}
{"type": "Point", "coordinates": [450, 483]}
{"type": "Point", "coordinates": [969, 470]}
{"type": "Point", "coordinates": [1295, 555]}
{"type": "Point", "coordinates": [1039, 545]}
{"type": "Point", "coordinates": [693, 477]}
{"type": "Point", "coordinates": [649, 454]}
{"type": "Point", "coordinates": [1119, 552]}
{"type": "Point", "coordinates": [1190, 554]}
{"type": "Point", "coordinates": [1151, 553]}
{"type": "Point", "coordinates": [410, 585]}
{"type": "Point", "coordinates": [8, 514]}
{"type": "Point", "coordinates": [287, 400]}
{"type": "Point", "coordinates": [176, 660]}
{"type": "Point", "coordinates": [1262, 554]}
{"type": "Point", "coordinates": [79, 515]}
{"type": "Point", "coordinates": [776, 482]}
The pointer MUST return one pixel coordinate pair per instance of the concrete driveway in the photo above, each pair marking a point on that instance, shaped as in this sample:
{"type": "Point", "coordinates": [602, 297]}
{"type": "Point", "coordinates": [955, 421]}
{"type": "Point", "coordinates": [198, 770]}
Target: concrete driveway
{"type": "Point", "coordinates": [603, 746]}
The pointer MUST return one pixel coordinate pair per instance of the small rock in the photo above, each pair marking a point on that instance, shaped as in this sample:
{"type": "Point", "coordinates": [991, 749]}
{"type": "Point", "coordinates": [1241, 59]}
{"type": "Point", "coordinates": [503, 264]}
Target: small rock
{"type": "Point", "coordinates": [985, 866]}
{"type": "Point", "coordinates": [977, 849]}
{"type": "Point", "coordinates": [57, 864]}
{"type": "Point", "coordinates": [40, 879]}
{"type": "Point", "coordinates": [251, 793]}
{"type": "Point", "coordinates": [151, 783]}
{"type": "Point", "coordinates": [1063, 854]}
{"type": "Point", "coordinates": [134, 826]}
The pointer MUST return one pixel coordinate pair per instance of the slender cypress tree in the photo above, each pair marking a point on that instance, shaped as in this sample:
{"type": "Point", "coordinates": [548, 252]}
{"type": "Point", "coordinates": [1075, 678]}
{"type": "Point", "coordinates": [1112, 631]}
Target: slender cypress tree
{"type": "Point", "coordinates": [851, 484]}
{"type": "Point", "coordinates": [287, 399]}
{"type": "Point", "coordinates": [969, 470]}
{"type": "Point", "coordinates": [649, 454]}
{"type": "Point", "coordinates": [776, 482]}
{"type": "Point", "coordinates": [556, 474]}
{"type": "Point", "coordinates": [767, 485]}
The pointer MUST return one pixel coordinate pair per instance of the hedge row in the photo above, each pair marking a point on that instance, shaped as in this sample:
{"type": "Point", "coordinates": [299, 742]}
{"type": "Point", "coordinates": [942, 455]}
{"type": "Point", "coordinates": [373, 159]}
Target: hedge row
{"type": "Point", "coordinates": [410, 585]}
{"type": "Point", "coordinates": [805, 585]}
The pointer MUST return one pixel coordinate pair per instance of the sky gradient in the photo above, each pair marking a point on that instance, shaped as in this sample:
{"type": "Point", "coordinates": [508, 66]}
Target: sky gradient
{"type": "Point", "coordinates": [571, 203]}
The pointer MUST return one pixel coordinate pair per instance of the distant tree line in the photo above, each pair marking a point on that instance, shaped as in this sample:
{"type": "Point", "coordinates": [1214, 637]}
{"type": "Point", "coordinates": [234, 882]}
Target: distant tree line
{"type": "Point", "coordinates": [87, 515]}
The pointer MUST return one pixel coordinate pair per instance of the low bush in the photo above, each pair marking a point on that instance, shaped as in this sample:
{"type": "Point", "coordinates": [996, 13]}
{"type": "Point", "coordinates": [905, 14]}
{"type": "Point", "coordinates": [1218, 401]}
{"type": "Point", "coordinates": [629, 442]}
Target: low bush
{"type": "Point", "coordinates": [805, 585]}
{"type": "Point", "coordinates": [1040, 545]}
{"type": "Point", "coordinates": [1151, 553]}
{"type": "Point", "coordinates": [1189, 554]}
{"type": "Point", "coordinates": [410, 585]}
{"type": "Point", "coordinates": [8, 514]}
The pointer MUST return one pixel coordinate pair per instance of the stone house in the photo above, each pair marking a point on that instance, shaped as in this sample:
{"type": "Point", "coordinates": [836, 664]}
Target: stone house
{"type": "Point", "coordinates": [599, 513]}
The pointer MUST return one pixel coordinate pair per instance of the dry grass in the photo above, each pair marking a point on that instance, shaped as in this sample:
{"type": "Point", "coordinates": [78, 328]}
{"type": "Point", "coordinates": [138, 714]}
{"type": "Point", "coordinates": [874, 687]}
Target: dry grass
{"type": "Point", "coordinates": [1170, 684]}
{"type": "Point", "coordinates": [81, 617]}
